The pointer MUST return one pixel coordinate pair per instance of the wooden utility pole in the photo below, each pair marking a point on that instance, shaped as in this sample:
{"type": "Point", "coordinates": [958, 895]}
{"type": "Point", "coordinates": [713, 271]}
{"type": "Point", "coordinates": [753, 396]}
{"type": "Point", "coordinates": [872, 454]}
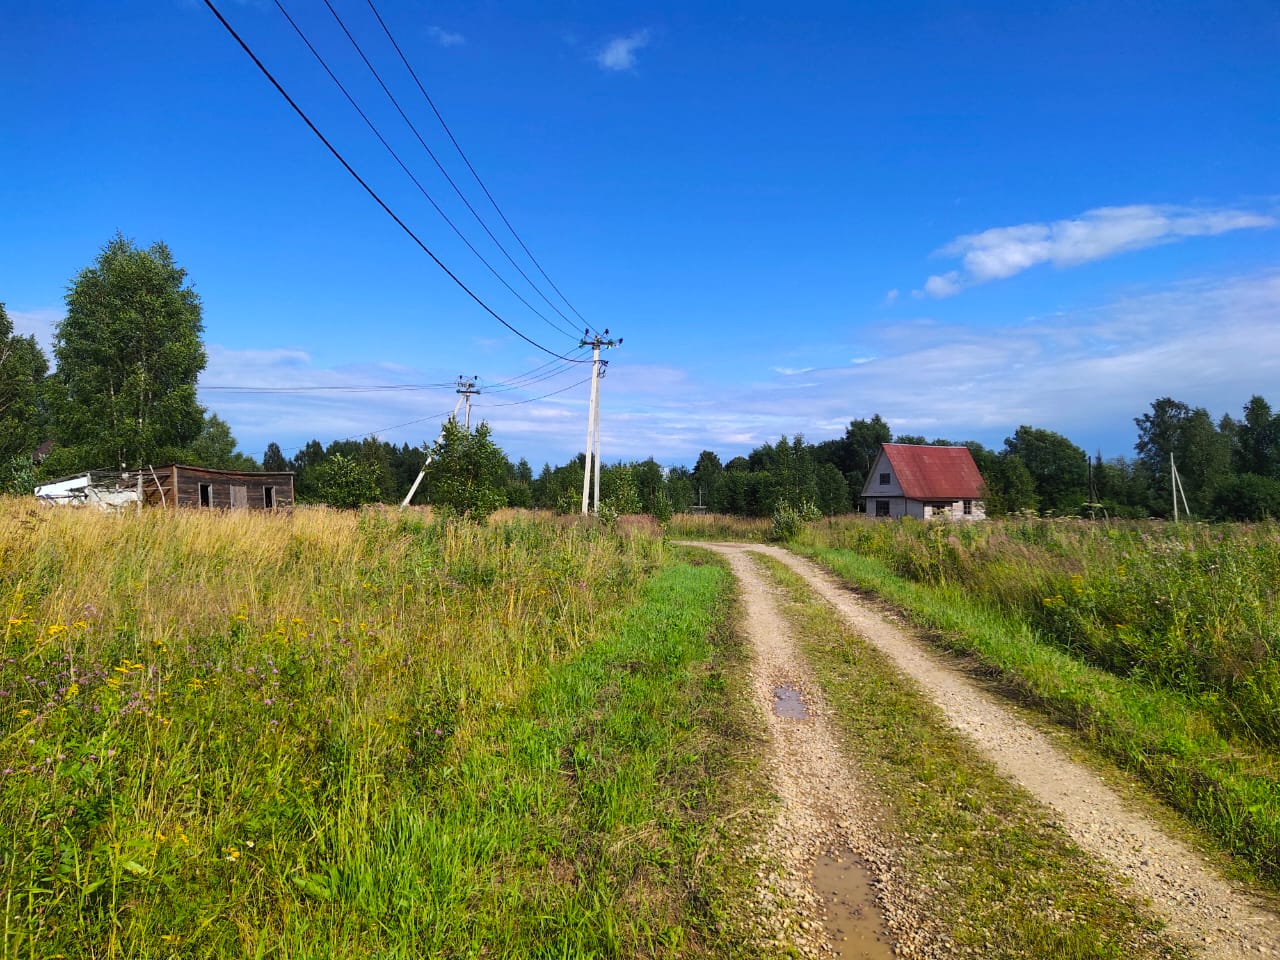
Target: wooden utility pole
{"type": "Point", "coordinates": [593, 418]}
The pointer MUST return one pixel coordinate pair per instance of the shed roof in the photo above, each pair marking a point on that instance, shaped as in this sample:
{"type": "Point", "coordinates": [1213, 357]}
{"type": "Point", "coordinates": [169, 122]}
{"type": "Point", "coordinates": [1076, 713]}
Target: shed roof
{"type": "Point", "coordinates": [935, 473]}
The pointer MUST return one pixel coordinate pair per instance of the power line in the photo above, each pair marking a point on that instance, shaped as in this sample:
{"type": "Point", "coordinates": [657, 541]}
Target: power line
{"type": "Point", "coordinates": [516, 403]}
{"type": "Point", "coordinates": [371, 433]}
{"type": "Point", "coordinates": [403, 166]}
{"type": "Point", "coordinates": [467, 161]}
{"type": "Point", "coordinates": [368, 189]}
{"type": "Point", "coordinates": [372, 388]}
{"type": "Point", "coordinates": [445, 173]}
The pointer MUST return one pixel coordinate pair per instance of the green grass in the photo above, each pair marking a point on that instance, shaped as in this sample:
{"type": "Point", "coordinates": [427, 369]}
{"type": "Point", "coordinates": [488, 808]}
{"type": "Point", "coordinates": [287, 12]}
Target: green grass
{"type": "Point", "coordinates": [326, 734]}
{"type": "Point", "coordinates": [998, 881]}
{"type": "Point", "coordinates": [1228, 786]}
{"type": "Point", "coordinates": [1187, 607]}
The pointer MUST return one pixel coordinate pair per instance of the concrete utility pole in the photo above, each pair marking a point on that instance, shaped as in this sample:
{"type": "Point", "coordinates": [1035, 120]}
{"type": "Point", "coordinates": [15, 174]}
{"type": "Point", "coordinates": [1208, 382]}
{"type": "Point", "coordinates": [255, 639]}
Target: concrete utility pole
{"type": "Point", "coordinates": [431, 454]}
{"type": "Point", "coordinates": [593, 417]}
{"type": "Point", "coordinates": [468, 389]}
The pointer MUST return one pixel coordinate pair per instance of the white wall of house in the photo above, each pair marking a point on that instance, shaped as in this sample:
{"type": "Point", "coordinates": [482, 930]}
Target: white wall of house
{"type": "Point", "coordinates": [880, 471]}
{"type": "Point", "coordinates": [924, 510]}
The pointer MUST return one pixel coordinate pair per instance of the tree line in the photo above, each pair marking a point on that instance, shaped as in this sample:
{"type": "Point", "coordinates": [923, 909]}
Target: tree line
{"type": "Point", "coordinates": [128, 354]}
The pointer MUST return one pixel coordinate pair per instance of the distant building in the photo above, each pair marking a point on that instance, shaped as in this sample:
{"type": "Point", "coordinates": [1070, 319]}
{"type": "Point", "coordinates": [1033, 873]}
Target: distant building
{"type": "Point", "coordinates": [174, 485]}
{"type": "Point", "coordinates": [909, 480]}
{"type": "Point", "coordinates": [183, 486]}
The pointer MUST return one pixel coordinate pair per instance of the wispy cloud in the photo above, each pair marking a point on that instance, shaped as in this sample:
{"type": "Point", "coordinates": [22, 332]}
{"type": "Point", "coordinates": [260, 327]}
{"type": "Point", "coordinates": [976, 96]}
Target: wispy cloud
{"type": "Point", "coordinates": [891, 297]}
{"type": "Point", "coordinates": [619, 54]}
{"type": "Point", "coordinates": [446, 38]}
{"type": "Point", "coordinates": [1001, 252]}
{"type": "Point", "coordinates": [40, 322]}
{"type": "Point", "coordinates": [1085, 374]}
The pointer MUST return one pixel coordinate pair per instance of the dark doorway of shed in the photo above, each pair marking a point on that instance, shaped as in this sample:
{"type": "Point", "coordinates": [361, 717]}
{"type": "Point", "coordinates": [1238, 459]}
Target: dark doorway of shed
{"type": "Point", "coordinates": [206, 494]}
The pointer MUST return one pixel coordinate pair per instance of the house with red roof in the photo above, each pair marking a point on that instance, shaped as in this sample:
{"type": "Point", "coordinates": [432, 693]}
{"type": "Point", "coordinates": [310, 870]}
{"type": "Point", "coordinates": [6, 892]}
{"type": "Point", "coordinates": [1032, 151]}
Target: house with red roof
{"type": "Point", "coordinates": [909, 480]}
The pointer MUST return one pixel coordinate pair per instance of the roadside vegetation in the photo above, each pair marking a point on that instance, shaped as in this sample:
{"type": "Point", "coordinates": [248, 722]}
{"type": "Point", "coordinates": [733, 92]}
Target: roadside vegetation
{"type": "Point", "coordinates": [1000, 881]}
{"type": "Point", "coordinates": [331, 734]}
{"type": "Point", "coordinates": [715, 527]}
{"type": "Point", "coordinates": [1155, 642]}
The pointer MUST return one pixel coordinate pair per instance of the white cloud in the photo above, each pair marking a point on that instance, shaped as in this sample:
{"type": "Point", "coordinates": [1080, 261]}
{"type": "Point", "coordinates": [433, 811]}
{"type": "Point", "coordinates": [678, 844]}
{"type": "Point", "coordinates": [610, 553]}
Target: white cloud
{"type": "Point", "coordinates": [891, 297]}
{"type": "Point", "coordinates": [945, 285]}
{"type": "Point", "coordinates": [1001, 252]}
{"type": "Point", "coordinates": [445, 38]}
{"type": "Point", "coordinates": [1085, 374]}
{"type": "Point", "coordinates": [40, 322]}
{"type": "Point", "coordinates": [619, 53]}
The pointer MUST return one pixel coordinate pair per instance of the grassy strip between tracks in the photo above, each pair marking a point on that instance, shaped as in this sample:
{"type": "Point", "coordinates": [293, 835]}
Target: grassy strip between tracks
{"type": "Point", "coordinates": [1229, 788]}
{"type": "Point", "coordinates": [1000, 881]}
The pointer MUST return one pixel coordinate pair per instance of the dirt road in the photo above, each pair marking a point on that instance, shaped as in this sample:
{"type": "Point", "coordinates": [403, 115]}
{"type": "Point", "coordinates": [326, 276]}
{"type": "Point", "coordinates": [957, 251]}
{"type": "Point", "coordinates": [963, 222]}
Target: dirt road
{"type": "Point", "coordinates": [825, 807]}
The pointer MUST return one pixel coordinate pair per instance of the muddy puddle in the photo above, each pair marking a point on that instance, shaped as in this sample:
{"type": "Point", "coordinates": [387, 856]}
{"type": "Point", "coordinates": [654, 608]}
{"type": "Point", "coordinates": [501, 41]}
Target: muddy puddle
{"type": "Point", "coordinates": [788, 704]}
{"type": "Point", "coordinates": [853, 921]}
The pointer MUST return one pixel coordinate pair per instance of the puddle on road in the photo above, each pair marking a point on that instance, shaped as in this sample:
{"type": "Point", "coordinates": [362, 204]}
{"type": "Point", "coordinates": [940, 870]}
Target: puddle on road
{"type": "Point", "coordinates": [787, 703]}
{"type": "Point", "coordinates": [853, 922]}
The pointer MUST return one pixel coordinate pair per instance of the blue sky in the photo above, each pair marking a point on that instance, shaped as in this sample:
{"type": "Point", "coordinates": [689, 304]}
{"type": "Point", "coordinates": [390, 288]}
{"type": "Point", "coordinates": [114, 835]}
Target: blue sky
{"type": "Point", "coordinates": [964, 217]}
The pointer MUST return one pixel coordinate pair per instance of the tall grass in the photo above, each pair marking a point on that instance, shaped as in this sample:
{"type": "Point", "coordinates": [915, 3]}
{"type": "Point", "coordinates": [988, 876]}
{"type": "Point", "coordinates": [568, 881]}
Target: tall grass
{"type": "Point", "coordinates": [719, 526]}
{"type": "Point", "coordinates": [1206, 761]}
{"type": "Point", "coordinates": [318, 734]}
{"type": "Point", "coordinates": [1188, 607]}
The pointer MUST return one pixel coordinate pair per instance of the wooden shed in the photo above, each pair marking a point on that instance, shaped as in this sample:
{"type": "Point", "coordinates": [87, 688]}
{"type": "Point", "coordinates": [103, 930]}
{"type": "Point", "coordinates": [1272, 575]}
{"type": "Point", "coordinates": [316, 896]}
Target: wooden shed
{"type": "Point", "coordinates": [183, 486]}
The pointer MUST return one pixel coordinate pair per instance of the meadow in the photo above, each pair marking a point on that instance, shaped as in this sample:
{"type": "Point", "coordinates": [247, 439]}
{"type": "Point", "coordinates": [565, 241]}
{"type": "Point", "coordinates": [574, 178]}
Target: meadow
{"type": "Point", "coordinates": [1157, 642]}
{"type": "Point", "coordinates": [337, 734]}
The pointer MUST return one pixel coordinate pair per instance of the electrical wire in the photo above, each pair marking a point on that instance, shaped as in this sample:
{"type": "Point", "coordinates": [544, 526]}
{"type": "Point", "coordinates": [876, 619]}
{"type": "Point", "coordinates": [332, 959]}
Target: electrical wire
{"type": "Point", "coordinates": [516, 403]}
{"type": "Point", "coordinates": [445, 173]}
{"type": "Point", "coordinates": [372, 388]}
{"type": "Point", "coordinates": [467, 161]}
{"type": "Point", "coordinates": [374, 433]}
{"type": "Point", "coordinates": [403, 166]}
{"type": "Point", "coordinates": [369, 190]}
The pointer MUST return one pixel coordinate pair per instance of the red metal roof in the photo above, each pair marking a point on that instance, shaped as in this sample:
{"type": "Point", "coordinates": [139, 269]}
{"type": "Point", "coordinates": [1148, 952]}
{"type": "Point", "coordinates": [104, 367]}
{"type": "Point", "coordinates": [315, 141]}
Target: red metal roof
{"type": "Point", "coordinates": [935, 473]}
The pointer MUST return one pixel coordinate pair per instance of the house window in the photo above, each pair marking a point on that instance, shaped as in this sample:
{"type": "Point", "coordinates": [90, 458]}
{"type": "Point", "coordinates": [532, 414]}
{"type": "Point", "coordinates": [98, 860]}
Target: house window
{"type": "Point", "coordinates": [239, 495]}
{"type": "Point", "coordinates": [882, 508]}
{"type": "Point", "coordinates": [968, 508]}
{"type": "Point", "coordinates": [269, 498]}
{"type": "Point", "coordinates": [206, 494]}
{"type": "Point", "coordinates": [884, 479]}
